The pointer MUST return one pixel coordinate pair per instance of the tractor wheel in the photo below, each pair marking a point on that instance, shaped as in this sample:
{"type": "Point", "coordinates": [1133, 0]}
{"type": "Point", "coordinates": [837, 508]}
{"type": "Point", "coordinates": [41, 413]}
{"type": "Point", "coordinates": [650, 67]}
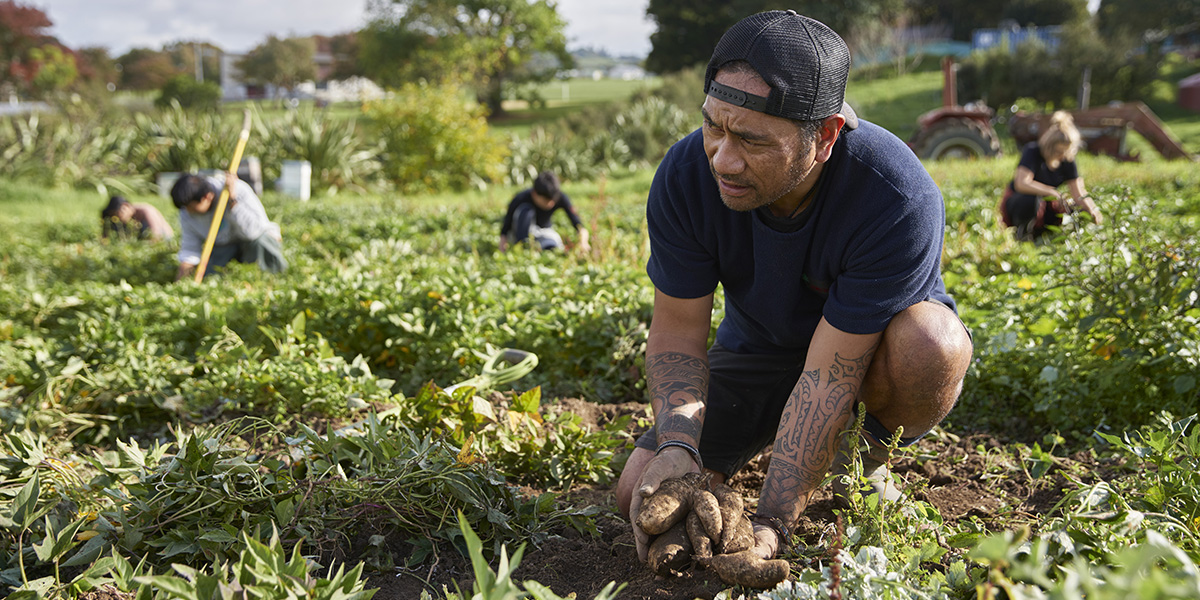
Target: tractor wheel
{"type": "Point", "coordinates": [956, 138]}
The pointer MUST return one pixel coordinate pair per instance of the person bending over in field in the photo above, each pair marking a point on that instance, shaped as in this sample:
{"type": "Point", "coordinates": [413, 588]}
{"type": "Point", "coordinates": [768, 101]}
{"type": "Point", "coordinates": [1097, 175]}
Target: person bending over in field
{"type": "Point", "coordinates": [529, 213]}
{"type": "Point", "coordinates": [124, 219]}
{"type": "Point", "coordinates": [245, 233]}
{"type": "Point", "coordinates": [825, 233]}
{"type": "Point", "coordinates": [1031, 201]}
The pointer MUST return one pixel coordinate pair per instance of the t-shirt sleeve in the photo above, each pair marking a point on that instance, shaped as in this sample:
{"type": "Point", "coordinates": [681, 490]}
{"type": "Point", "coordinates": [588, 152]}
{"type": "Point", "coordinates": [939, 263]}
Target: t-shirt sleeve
{"type": "Point", "coordinates": [895, 264]}
{"type": "Point", "coordinates": [1069, 170]}
{"type": "Point", "coordinates": [1031, 158]}
{"type": "Point", "coordinates": [680, 266]}
{"type": "Point", "coordinates": [507, 224]}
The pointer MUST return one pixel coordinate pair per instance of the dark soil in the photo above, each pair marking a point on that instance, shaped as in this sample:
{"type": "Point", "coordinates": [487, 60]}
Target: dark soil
{"type": "Point", "coordinates": [967, 477]}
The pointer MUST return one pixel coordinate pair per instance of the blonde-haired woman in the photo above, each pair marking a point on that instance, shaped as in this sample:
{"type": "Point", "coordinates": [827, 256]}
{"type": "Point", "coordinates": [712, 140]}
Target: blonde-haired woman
{"type": "Point", "coordinates": [1032, 201]}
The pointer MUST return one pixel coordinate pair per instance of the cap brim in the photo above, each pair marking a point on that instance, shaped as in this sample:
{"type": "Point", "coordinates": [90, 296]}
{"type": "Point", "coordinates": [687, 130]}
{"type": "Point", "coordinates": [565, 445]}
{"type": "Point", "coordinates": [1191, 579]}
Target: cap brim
{"type": "Point", "coordinates": [851, 116]}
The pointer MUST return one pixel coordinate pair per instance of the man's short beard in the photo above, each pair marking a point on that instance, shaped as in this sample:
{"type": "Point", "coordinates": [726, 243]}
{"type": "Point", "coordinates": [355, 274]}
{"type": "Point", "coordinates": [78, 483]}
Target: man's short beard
{"type": "Point", "coordinates": [796, 175]}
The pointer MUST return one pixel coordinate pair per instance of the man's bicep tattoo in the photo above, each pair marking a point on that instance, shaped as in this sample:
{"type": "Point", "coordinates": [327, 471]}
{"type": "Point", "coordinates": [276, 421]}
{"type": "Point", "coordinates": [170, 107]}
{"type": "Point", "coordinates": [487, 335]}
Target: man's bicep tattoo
{"type": "Point", "coordinates": [678, 382]}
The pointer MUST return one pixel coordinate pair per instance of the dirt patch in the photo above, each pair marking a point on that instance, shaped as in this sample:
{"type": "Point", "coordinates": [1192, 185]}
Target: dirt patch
{"type": "Point", "coordinates": [966, 477]}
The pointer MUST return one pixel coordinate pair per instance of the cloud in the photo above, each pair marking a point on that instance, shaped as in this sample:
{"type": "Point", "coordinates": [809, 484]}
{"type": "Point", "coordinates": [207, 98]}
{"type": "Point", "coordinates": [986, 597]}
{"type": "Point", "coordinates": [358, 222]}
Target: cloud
{"type": "Point", "coordinates": [238, 25]}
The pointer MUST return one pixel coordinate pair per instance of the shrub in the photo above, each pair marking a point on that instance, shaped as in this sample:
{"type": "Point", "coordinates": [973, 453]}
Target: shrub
{"type": "Point", "coordinates": [339, 156]}
{"type": "Point", "coordinates": [434, 139]}
{"type": "Point", "coordinates": [175, 140]}
{"type": "Point", "coordinates": [1053, 76]}
{"type": "Point", "coordinates": [189, 93]}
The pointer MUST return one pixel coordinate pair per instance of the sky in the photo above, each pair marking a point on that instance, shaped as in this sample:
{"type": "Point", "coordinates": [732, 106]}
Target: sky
{"type": "Point", "coordinates": [618, 26]}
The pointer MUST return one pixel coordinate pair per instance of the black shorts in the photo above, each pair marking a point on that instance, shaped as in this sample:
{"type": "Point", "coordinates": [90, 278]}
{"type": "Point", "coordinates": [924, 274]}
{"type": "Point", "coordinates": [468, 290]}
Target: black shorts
{"type": "Point", "coordinates": [746, 397]}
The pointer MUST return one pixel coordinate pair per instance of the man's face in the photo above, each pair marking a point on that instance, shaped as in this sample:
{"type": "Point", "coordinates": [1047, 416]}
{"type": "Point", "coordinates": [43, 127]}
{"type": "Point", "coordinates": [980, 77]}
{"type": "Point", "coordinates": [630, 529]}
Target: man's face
{"type": "Point", "coordinates": [543, 202]}
{"type": "Point", "coordinates": [125, 213]}
{"type": "Point", "coordinates": [756, 158]}
{"type": "Point", "coordinates": [202, 205]}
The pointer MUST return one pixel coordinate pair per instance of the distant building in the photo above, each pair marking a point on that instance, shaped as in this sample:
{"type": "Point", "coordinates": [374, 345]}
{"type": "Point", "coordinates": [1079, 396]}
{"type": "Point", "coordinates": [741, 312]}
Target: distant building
{"type": "Point", "coordinates": [626, 72]}
{"type": "Point", "coordinates": [1011, 37]}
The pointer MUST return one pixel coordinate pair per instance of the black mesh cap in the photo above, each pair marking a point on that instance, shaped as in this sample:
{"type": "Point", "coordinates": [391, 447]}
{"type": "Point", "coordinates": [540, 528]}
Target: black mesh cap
{"type": "Point", "coordinates": [805, 63]}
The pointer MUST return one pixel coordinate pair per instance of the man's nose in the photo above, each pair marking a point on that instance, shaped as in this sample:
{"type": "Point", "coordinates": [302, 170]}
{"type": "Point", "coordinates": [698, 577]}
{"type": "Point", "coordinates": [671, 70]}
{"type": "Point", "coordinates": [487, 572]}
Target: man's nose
{"type": "Point", "coordinates": [727, 159]}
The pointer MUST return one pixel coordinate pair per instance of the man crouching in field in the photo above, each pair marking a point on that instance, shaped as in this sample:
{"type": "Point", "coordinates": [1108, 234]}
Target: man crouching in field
{"type": "Point", "coordinates": [245, 234]}
{"type": "Point", "coordinates": [825, 233]}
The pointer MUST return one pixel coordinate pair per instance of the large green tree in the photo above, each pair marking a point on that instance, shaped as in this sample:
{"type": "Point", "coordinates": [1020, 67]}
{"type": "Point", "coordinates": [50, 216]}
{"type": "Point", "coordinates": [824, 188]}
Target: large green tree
{"type": "Point", "coordinates": [687, 32]}
{"type": "Point", "coordinates": [487, 44]}
{"type": "Point", "coordinates": [1046, 12]}
{"type": "Point", "coordinates": [145, 69]}
{"type": "Point", "coordinates": [183, 55]}
{"type": "Point", "coordinates": [1135, 18]}
{"type": "Point", "coordinates": [284, 63]}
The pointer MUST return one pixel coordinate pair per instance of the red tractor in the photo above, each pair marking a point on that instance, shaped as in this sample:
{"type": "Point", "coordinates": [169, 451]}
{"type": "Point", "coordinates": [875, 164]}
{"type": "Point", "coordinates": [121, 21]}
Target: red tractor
{"type": "Point", "coordinates": [953, 131]}
{"type": "Point", "coordinates": [1103, 130]}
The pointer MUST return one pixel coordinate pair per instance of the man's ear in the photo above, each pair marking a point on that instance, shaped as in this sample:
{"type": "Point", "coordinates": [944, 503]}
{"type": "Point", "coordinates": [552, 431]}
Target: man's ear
{"type": "Point", "coordinates": [828, 134]}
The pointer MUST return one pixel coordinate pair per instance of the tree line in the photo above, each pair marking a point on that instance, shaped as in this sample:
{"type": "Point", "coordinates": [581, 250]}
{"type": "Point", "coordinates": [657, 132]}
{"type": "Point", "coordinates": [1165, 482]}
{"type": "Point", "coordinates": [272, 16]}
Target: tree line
{"type": "Point", "coordinates": [498, 47]}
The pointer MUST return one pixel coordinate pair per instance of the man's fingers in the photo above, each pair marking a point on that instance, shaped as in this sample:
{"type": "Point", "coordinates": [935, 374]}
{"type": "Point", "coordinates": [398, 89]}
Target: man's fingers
{"type": "Point", "coordinates": [766, 541]}
{"type": "Point", "coordinates": [641, 539]}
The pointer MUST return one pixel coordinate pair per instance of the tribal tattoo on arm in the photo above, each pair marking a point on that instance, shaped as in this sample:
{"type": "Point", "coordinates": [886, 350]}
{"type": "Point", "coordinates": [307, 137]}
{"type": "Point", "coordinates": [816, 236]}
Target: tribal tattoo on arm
{"type": "Point", "coordinates": [678, 389]}
{"type": "Point", "coordinates": [806, 439]}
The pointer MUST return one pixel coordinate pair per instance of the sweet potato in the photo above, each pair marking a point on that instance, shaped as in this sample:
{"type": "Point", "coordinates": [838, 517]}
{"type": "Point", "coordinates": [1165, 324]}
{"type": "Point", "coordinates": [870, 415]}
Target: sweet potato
{"type": "Point", "coordinates": [702, 545]}
{"type": "Point", "coordinates": [669, 504]}
{"type": "Point", "coordinates": [671, 552]}
{"type": "Point", "coordinates": [731, 505]}
{"type": "Point", "coordinates": [747, 569]}
{"type": "Point", "coordinates": [738, 536]}
{"type": "Point", "coordinates": [704, 506]}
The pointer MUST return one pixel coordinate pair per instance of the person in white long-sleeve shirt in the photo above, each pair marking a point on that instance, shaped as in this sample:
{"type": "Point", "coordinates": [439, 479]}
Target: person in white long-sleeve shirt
{"type": "Point", "coordinates": [245, 234]}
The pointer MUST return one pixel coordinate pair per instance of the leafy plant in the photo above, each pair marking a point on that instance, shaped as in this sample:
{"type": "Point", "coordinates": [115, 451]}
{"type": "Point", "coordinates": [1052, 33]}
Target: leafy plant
{"type": "Point", "coordinates": [433, 139]}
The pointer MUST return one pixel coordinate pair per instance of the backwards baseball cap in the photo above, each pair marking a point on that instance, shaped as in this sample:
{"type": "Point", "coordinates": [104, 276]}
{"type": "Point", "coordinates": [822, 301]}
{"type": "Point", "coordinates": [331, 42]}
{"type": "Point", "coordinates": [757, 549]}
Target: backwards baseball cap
{"type": "Point", "coordinates": [804, 61]}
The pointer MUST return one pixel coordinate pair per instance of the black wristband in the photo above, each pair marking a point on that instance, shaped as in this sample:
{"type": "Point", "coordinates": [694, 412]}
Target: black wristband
{"type": "Point", "coordinates": [776, 525]}
{"type": "Point", "coordinates": [685, 446]}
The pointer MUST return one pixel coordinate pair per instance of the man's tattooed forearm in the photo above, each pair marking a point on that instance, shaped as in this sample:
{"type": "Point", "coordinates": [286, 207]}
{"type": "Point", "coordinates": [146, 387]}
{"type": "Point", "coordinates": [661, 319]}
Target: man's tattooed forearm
{"type": "Point", "coordinates": [793, 417]}
{"type": "Point", "coordinates": [779, 492]}
{"type": "Point", "coordinates": [808, 427]}
{"type": "Point", "coordinates": [678, 384]}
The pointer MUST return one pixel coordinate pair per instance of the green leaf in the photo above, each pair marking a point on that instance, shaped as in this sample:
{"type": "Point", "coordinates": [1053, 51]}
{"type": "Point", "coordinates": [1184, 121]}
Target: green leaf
{"type": "Point", "coordinates": [25, 503]}
{"type": "Point", "coordinates": [133, 452]}
{"type": "Point", "coordinates": [88, 553]}
{"type": "Point", "coordinates": [529, 402]}
{"type": "Point", "coordinates": [174, 586]}
{"type": "Point", "coordinates": [284, 511]}
{"type": "Point", "coordinates": [219, 536]}
{"type": "Point", "coordinates": [57, 542]}
{"type": "Point", "coordinates": [1184, 384]}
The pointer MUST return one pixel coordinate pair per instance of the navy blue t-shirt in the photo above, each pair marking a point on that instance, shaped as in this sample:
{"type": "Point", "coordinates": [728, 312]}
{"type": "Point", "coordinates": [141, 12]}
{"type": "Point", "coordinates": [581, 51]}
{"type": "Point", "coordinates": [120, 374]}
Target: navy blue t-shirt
{"type": "Point", "coordinates": [1032, 159]}
{"type": "Point", "coordinates": [541, 217]}
{"type": "Point", "coordinates": [870, 248]}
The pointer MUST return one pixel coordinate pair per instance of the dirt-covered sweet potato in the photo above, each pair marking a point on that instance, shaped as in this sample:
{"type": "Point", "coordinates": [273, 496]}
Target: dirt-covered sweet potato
{"type": "Point", "coordinates": [669, 504]}
{"type": "Point", "coordinates": [702, 545]}
{"type": "Point", "coordinates": [738, 536]}
{"type": "Point", "coordinates": [671, 552]}
{"type": "Point", "coordinates": [704, 506]}
{"type": "Point", "coordinates": [732, 506]}
{"type": "Point", "coordinates": [748, 569]}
